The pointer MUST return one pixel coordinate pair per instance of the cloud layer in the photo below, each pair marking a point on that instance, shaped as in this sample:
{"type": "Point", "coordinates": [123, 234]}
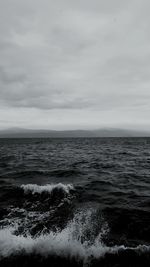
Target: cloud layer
{"type": "Point", "coordinates": [74, 64]}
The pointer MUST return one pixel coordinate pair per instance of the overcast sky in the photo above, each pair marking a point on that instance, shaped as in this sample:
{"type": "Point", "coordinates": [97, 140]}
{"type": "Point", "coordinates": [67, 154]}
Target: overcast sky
{"type": "Point", "coordinates": [68, 64]}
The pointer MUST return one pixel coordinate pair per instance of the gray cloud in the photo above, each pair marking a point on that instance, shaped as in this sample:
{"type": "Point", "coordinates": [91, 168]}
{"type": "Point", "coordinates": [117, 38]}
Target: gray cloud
{"type": "Point", "coordinates": [72, 58]}
{"type": "Point", "coordinates": [11, 76]}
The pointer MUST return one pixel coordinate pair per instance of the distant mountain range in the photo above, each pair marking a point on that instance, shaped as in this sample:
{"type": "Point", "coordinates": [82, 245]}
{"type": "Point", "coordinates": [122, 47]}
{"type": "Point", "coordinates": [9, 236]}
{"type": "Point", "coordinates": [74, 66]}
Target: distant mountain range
{"type": "Point", "coordinates": [107, 132]}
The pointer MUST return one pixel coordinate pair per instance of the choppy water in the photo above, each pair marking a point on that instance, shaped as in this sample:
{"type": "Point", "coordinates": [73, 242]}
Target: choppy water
{"type": "Point", "coordinates": [75, 202]}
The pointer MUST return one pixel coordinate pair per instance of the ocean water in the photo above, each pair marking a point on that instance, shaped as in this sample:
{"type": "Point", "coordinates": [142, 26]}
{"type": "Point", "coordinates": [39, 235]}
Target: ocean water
{"type": "Point", "coordinates": [75, 202]}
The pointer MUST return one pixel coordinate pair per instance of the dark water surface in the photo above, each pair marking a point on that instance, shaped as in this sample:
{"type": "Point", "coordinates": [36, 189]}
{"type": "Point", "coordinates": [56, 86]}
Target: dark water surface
{"type": "Point", "coordinates": [75, 202]}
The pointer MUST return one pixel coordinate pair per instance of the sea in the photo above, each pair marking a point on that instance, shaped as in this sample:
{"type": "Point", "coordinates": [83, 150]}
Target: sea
{"type": "Point", "coordinates": [75, 202]}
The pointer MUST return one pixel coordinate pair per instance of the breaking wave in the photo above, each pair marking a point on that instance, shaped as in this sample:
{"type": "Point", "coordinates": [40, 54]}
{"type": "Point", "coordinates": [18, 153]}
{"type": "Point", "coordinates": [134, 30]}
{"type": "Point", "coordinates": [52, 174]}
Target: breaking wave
{"type": "Point", "coordinates": [34, 188]}
{"type": "Point", "coordinates": [40, 209]}
{"type": "Point", "coordinates": [59, 244]}
{"type": "Point", "coordinates": [82, 239]}
{"type": "Point", "coordinates": [45, 224]}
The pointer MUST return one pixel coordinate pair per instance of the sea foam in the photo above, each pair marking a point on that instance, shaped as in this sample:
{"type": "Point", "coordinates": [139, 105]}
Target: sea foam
{"type": "Point", "coordinates": [69, 242]}
{"type": "Point", "coordinates": [57, 244]}
{"type": "Point", "coordinates": [34, 188]}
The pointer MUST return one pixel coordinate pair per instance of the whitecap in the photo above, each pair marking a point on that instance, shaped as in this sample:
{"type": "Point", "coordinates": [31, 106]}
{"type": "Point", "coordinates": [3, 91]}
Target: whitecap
{"type": "Point", "coordinates": [69, 242]}
{"type": "Point", "coordinates": [34, 188]}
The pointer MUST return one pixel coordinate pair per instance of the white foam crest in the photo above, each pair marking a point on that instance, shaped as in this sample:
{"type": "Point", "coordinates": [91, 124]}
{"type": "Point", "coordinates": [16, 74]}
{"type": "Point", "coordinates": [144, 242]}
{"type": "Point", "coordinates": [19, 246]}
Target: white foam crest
{"type": "Point", "coordinates": [66, 243]}
{"type": "Point", "coordinates": [34, 188]}
{"type": "Point", "coordinates": [59, 244]}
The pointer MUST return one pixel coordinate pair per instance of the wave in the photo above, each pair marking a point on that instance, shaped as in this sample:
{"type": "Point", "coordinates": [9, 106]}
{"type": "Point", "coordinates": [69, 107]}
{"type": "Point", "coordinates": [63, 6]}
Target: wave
{"type": "Point", "coordinates": [39, 208]}
{"type": "Point", "coordinates": [49, 188]}
{"type": "Point", "coordinates": [60, 245]}
{"type": "Point", "coordinates": [76, 241]}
